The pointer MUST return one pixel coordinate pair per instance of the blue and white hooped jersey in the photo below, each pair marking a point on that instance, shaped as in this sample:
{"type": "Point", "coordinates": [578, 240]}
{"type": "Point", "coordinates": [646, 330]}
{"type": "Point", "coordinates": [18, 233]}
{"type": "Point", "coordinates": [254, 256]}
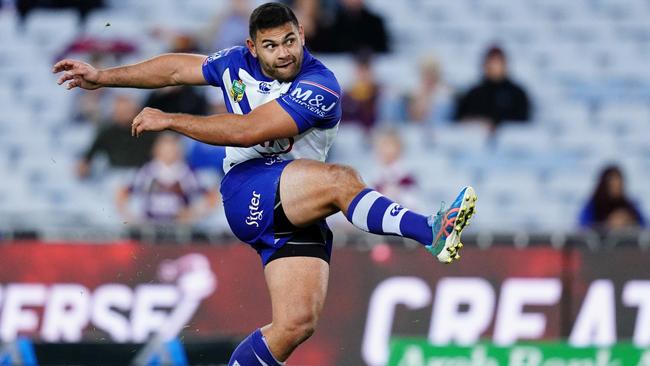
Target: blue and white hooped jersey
{"type": "Point", "coordinates": [313, 99]}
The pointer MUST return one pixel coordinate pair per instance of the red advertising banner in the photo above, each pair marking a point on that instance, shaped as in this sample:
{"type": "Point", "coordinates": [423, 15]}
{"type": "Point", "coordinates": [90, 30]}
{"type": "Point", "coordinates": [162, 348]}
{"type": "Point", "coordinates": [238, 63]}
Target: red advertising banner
{"type": "Point", "coordinates": [126, 292]}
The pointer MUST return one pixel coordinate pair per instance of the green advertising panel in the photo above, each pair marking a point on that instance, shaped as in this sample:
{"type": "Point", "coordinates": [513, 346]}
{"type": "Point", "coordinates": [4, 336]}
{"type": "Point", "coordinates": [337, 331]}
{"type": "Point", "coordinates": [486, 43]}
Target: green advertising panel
{"type": "Point", "coordinates": [419, 352]}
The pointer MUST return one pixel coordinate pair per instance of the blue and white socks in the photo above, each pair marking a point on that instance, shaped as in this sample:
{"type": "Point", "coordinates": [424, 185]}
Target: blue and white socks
{"type": "Point", "coordinates": [253, 351]}
{"type": "Point", "coordinates": [372, 212]}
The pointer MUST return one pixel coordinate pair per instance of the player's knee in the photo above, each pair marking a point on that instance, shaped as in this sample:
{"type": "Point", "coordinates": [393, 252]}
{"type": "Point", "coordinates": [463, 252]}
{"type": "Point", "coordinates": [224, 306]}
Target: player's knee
{"type": "Point", "coordinates": [345, 177]}
{"type": "Point", "coordinates": [299, 326]}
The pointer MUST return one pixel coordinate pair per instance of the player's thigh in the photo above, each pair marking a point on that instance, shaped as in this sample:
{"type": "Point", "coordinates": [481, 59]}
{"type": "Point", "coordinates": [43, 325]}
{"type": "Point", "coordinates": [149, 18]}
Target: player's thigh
{"type": "Point", "coordinates": [311, 190]}
{"type": "Point", "coordinates": [298, 287]}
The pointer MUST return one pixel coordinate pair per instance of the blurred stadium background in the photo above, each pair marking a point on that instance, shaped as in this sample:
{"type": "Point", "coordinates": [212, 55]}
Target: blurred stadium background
{"type": "Point", "coordinates": [88, 275]}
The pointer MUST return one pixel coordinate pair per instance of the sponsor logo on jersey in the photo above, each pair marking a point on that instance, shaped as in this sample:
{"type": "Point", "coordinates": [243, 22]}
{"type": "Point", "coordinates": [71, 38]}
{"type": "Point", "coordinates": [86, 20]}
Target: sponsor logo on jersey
{"type": "Point", "coordinates": [254, 213]}
{"type": "Point", "coordinates": [264, 88]}
{"type": "Point", "coordinates": [310, 97]}
{"type": "Point", "coordinates": [237, 90]}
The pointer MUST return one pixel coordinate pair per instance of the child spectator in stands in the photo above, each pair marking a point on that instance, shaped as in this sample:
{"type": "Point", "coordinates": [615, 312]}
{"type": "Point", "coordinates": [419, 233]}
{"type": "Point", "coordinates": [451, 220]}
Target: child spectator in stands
{"type": "Point", "coordinates": [609, 208]}
{"type": "Point", "coordinates": [168, 188]}
{"type": "Point", "coordinates": [431, 102]}
{"type": "Point", "coordinates": [496, 98]}
{"type": "Point", "coordinates": [393, 177]}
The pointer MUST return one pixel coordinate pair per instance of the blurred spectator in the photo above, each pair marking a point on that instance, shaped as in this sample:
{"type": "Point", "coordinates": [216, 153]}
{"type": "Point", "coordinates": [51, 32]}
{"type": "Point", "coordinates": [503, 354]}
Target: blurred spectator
{"type": "Point", "coordinates": [307, 12]}
{"type": "Point", "coordinates": [360, 99]}
{"type": "Point", "coordinates": [168, 188]}
{"type": "Point", "coordinates": [191, 100]}
{"type": "Point", "coordinates": [179, 41]}
{"type": "Point", "coordinates": [431, 101]}
{"type": "Point", "coordinates": [92, 106]}
{"type": "Point", "coordinates": [99, 49]}
{"type": "Point", "coordinates": [354, 28]}
{"type": "Point", "coordinates": [229, 28]}
{"type": "Point", "coordinates": [178, 99]}
{"type": "Point", "coordinates": [187, 99]}
{"type": "Point", "coordinates": [394, 179]}
{"type": "Point", "coordinates": [205, 156]}
{"type": "Point", "coordinates": [183, 43]}
{"type": "Point", "coordinates": [200, 155]}
{"type": "Point", "coordinates": [313, 15]}
{"type": "Point", "coordinates": [115, 140]}
{"type": "Point", "coordinates": [496, 98]}
{"type": "Point", "coordinates": [82, 6]}
{"type": "Point", "coordinates": [609, 208]}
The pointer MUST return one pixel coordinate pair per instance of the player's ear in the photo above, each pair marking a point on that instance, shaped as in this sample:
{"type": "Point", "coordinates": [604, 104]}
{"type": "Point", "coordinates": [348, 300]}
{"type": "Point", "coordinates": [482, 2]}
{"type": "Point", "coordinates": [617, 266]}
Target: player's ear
{"type": "Point", "coordinates": [301, 32]}
{"type": "Point", "coordinates": [251, 46]}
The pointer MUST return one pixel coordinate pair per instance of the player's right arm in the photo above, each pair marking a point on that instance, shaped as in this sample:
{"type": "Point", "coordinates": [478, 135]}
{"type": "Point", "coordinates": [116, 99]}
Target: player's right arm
{"type": "Point", "coordinates": [160, 71]}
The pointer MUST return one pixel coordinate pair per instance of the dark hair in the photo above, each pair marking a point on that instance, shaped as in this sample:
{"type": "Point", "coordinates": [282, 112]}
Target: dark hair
{"type": "Point", "coordinates": [603, 203]}
{"type": "Point", "coordinates": [494, 51]}
{"type": "Point", "coordinates": [363, 57]}
{"type": "Point", "coordinates": [270, 15]}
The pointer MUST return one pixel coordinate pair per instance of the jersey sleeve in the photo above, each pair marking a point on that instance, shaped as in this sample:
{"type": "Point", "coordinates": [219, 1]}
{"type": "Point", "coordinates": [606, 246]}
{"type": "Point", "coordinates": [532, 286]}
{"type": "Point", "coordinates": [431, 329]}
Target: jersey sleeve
{"type": "Point", "coordinates": [215, 64]}
{"type": "Point", "coordinates": [313, 101]}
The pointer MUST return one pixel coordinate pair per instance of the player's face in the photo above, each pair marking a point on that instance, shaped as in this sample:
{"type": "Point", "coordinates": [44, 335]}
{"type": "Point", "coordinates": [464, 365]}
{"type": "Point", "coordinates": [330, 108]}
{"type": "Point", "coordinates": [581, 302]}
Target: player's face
{"type": "Point", "coordinates": [279, 51]}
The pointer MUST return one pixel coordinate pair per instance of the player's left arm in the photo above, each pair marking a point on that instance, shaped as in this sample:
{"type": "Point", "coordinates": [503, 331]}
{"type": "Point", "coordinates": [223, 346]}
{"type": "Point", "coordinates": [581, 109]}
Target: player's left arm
{"type": "Point", "coordinates": [267, 122]}
{"type": "Point", "coordinates": [312, 102]}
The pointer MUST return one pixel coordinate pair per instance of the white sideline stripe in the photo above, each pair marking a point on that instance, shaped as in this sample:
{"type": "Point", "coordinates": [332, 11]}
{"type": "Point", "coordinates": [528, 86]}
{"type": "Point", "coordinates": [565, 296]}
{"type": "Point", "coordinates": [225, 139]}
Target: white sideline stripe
{"type": "Point", "coordinates": [390, 224]}
{"type": "Point", "coordinates": [228, 84]}
{"type": "Point", "coordinates": [360, 215]}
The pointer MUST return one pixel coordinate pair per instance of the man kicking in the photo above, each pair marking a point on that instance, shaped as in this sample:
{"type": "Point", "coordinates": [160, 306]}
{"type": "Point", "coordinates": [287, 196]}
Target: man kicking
{"type": "Point", "coordinates": [285, 108]}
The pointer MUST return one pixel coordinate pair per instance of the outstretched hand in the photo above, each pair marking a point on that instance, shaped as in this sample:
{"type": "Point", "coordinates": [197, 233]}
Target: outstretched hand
{"type": "Point", "coordinates": [79, 73]}
{"type": "Point", "coordinates": [150, 119]}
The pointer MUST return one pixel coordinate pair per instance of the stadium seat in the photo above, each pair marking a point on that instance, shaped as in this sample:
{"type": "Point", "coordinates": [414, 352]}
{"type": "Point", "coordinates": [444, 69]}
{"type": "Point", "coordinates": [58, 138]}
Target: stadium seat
{"type": "Point", "coordinates": [624, 117]}
{"type": "Point", "coordinates": [474, 137]}
{"type": "Point", "coordinates": [115, 24]}
{"type": "Point", "coordinates": [522, 139]}
{"type": "Point", "coordinates": [51, 30]}
{"type": "Point", "coordinates": [351, 142]}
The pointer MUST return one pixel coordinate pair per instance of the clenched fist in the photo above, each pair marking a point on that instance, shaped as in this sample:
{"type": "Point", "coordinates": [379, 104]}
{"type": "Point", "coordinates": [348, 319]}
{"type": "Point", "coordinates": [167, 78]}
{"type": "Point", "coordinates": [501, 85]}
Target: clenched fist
{"type": "Point", "coordinates": [79, 73]}
{"type": "Point", "coordinates": [150, 119]}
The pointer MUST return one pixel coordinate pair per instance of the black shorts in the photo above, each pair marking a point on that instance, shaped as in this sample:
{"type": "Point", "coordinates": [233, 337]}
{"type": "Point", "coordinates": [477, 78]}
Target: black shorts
{"type": "Point", "coordinates": [311, 241]}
